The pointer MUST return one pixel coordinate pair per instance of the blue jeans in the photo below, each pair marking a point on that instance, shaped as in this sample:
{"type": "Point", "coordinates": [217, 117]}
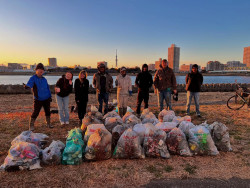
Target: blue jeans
{"type": "Point", "coordinates": [63, 108]}
{"type": "Point", "coordinates": [167, 96]}
{"type": "Point", "coordinates": [103, 97]}
{"type": "Point", "coordinates": [196, 96]}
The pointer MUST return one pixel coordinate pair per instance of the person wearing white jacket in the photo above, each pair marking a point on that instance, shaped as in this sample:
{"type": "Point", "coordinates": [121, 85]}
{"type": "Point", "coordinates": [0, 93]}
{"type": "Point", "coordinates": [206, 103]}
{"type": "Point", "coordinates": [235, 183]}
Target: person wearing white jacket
{"type": "Point", "coordinates": [124, 90]}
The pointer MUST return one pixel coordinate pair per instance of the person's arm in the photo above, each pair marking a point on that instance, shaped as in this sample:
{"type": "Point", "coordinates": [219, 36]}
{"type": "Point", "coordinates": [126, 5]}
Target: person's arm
{"type": "Point", "coordinates": [30, 83]}
{"type": "Point", "coordinates": [150, 80]}
{"type": "Point", "coordinates": [174, 84]}
{"type": "Point", "coordinates": [87, 86]}
{"type": "Point", "coordinates": [130, 86]}
{"type": "Point", "coordinates": [49, 90]}
{"type": "Point", "coordinates": [76, 90]}
{"type": "Point", "coordinates": [156, 80]}
{"type": "Point", "coordinates": [187, 77]}
{"type": "Point", "coordinates": [111, 83]}
{"type": "Point", "coordinates": [116, 81]}
{"type": "Point", "coordinates": [137, 80]}
{"type": "Point", "coordinates": [201, 79]}
{"type": "Point", "coordinates": [94, 81]}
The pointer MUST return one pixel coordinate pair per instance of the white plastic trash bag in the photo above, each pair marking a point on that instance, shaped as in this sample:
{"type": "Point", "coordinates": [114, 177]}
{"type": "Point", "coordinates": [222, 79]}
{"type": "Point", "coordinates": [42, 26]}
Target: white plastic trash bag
{"type": "Point", "coordinates": [89, 119]}
{"type": "Point", "coordinates": [111, 122]}
{"type": "Point", "coordinates": [53, 153]}
{"type": "Point", "coordinates": [38, 139]}
{"type": "Point", "coordinates": [220, 135]}
{"type": "Point", "coordinates": [129, 109]}
{"type": "Point", "coordinates": [93, 109]}
{"type": "Point", "coordinates": [22, 155]}
{"type": "Point", "coordinates": [132, 120]}
{"type": "Point", "coordinates": [169, 113]}
{"type": "Point", "coordinates": [154, 143]}
{"type": "Point", "coordinates": [91, 129]}
{"type": "Point", "coordinates": [99, 145]}
{"type": "Point", "coordinates": [185, 126]}
{"type": "Point", "coordinates": [177, 143]}
{"type": "Point", "coordinates": [140, 130]}
{"type": "Point", "coordinates": [128, 146]}
{"type": "Point", "coordinates": [166, 126]}
{"type": "Point", "coordinates": [125, 117]}
{"type": "Point", "coordinates": [111, 114]}
{"type": "Point", "coordinates": [201, 142]}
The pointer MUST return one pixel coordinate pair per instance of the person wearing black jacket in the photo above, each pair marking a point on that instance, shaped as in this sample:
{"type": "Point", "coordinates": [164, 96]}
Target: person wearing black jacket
{"type": "Point", "coordinates": [63, 89]}
{"type": "Point", "coordinates": [194, 81]}
{"type": "Point", "coordinates": [81, 94]}
{"type": "Point", "coordinates": [143, 81]}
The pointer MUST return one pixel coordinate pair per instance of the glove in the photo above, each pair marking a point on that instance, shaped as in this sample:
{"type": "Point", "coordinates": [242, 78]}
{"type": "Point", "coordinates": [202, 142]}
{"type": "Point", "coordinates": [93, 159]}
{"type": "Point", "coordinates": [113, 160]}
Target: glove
{"type": "Point", "coordinates": [130, 93]}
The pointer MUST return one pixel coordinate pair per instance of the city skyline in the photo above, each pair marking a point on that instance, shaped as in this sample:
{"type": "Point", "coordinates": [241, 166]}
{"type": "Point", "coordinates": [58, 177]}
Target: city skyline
{"type": "Point", "coordinates": [84, 32]}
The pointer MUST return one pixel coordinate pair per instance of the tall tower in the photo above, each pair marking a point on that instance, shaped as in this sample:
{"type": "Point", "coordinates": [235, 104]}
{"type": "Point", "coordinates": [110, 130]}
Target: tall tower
{"type": "Point", "coordinates": [116, 60]}
{"type": "Point", "coordinates": [174, 57]}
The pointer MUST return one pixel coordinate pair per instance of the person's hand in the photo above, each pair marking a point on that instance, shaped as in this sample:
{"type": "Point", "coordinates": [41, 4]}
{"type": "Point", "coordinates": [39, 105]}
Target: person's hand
{"type": "Point", "coordinates": [130, 93]}
{"type": "Point", "coordinates": [57, 89]}
{"type": "Point", "coordinates": [77, 101]}
{"type": "Point", "coordinates": [175, 91]}
{"type": "Point", "coordinates": [70, 82]}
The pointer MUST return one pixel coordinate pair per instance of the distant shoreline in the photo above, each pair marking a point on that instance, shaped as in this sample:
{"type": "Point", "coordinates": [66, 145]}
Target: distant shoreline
{"type": "Point", "coordinates": [114, 74]}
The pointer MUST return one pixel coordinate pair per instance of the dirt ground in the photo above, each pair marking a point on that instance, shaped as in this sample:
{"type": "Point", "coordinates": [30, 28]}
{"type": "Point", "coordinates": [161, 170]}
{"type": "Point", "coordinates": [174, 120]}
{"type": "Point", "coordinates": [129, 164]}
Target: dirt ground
{"type": "Point", "coordinates": [15, 111]}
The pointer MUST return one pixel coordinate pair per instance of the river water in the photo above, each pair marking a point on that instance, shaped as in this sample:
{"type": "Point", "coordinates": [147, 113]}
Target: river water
{"type": "Point", "coordinates": [19, 79]}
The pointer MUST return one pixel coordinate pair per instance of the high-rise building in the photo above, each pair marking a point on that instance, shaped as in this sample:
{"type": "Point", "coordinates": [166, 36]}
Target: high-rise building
{"type": "Point", "coordinates": [52, 62]}
{"type": "Point", "coordinates": [214, 65]}
{"type": "Point", "coordinates": [151, 67]}
{"type": "Point", "coordinates": [174, 57]}
{"type": "Point", "coordinates": [246, 56]}
{"type": "Point", "coordinates": [158, 63]}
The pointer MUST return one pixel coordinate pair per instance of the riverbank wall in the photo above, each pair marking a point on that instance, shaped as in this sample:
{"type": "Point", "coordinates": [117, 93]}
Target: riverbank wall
{"type": "Point", "coordinates": [19, 89]}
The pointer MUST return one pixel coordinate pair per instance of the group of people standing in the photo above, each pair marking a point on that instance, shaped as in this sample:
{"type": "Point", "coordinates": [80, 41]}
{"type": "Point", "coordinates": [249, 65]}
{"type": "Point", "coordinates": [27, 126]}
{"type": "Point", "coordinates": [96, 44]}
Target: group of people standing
{"type": "Point", "coordinates": [164, 83]}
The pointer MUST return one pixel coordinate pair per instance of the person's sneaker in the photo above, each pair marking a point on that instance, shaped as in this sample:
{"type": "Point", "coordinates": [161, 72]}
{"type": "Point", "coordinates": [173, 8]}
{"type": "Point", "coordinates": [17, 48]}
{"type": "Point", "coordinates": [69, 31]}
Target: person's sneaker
{"type": "Point", "coordinates": [198, 115]}
{"type": "Point", "coordinates": [187, 114]}
{"type": "Point", "coordinates": [62, 123]}
{"type": "Point", "coordinates": [66, 122]}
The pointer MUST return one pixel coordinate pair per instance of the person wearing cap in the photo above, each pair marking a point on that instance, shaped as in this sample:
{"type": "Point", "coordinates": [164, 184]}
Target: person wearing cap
{"type": "Point", "coordinates": [42, 96]}
{"type": "Point", "coordinates": [194, 81]}
{"type": "Point", "coordinates": [103, 82]}
{"type": "Point", "coordinates": [63, 88]}
{"type": "Point", "coordinates": [124, 90]}
{"type": "Point", "coordinates": [143, 81]}
{"type": "Point", "coordinates": [81, 94]}
{"type": "Point", "coordinates": [165, 83]}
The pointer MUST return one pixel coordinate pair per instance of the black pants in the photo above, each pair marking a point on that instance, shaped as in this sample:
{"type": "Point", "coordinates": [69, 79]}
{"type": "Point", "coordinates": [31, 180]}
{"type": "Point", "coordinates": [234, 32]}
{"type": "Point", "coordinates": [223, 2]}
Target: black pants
{"type": "Point", "coordinates": [82, 105]}
{"type": "Point", "coordinates": [142, 95]}
{"type": "Point", "coordinates": [38, 105]}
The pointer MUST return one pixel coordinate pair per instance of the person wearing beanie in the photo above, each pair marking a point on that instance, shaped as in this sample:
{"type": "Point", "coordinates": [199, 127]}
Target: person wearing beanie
{"type": "Point", "coordinates": [165, 83]}
{"type": "Point", "coordinates": [42, 95]}
{"type": "Point", "coordinates": [124, 90]}
{"type": "Point", "coordinates": [63, 88]}
{"type": "Point", "coordinates": [81, 94]}
{"type": "Point", "coordinates": [143, 81]}
{"type": "Point", "coordinates": [103, 82]}
{"type": "Point", "coordinates": [194, 81]}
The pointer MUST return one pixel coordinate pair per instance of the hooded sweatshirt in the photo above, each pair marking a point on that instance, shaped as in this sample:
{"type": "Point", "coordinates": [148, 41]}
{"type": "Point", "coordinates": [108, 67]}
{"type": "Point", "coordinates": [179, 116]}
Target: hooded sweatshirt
{"type": "Point", "coordinates": [144, 79]}
{"type": "Point", "coordinates": [65, 87]}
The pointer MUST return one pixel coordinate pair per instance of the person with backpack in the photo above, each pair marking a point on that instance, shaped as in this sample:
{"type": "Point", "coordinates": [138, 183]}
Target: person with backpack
{"type": "Point", "coordinates": [42, 96]}
{"type": "Point", "coordinates": [143, 81]}
{"type": "Point", "coordinates": [81, 94]}
{"type": "Point", "coordinates": [194, 81]}
{"type": "Point", "coordinates": [63, 88]}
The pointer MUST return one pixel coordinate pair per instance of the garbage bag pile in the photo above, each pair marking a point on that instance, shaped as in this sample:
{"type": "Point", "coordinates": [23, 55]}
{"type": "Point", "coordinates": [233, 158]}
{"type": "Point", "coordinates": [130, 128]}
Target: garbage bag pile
{"type": "Point", "coordinates": [99, 145]}
{"type": "Point", "coordinates": [122, 138]}
{"type": "Point", "coordinates": [53, 153]}
{"type": "Point", "coordinates": [73, 152]}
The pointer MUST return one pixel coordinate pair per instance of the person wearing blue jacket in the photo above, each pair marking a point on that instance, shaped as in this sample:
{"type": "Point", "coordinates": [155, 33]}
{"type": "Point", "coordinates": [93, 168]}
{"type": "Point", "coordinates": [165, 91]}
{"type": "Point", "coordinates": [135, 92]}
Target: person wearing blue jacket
{"type": "Point", "coordinates": [42, 96]}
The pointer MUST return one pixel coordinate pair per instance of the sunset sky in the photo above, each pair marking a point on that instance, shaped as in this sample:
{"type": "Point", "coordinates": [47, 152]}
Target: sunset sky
{"type": "Point", "coordinates": [86, 31]}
